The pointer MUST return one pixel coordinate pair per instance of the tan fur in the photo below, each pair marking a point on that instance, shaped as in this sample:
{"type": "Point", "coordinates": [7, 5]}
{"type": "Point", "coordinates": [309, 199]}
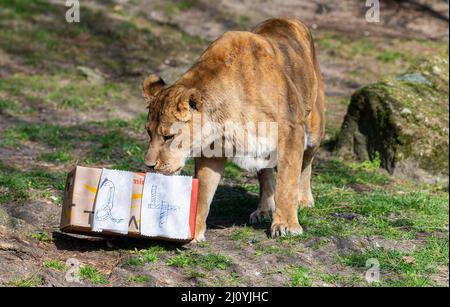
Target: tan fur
{"type": "Point", "coordinates": [268, 74]}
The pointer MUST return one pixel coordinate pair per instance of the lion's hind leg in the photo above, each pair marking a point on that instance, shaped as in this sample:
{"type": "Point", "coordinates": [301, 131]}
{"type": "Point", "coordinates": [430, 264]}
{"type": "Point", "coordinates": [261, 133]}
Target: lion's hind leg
{"type": "Point", "coordinates": [266, 204]}
{"type": "Point", "coordinates": [313, 135]}
{"type": "Point", "coordinates": [305, 197]}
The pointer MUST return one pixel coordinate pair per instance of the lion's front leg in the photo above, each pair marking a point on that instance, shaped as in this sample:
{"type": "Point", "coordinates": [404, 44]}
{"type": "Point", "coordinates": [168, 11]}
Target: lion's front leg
{"type": "Point", "coordinates": [290, 155]}
{"type": "Point", "coordinates": [208, 171]}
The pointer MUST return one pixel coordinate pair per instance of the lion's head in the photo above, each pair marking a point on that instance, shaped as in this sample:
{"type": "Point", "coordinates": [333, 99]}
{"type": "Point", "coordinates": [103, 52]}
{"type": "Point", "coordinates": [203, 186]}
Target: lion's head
{"type": "Point", "coordinates": [169, 123]}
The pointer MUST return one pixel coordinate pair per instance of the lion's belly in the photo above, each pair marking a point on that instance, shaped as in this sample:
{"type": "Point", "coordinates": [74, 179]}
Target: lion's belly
{"type": "Point", "coordinates": [250, 163]}
{"type": "Point", "coordinates": [264, 160]}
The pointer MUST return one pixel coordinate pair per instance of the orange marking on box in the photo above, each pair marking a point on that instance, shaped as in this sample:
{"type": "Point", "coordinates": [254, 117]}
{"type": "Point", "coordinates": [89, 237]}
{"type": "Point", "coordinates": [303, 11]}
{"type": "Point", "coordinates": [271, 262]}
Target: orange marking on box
{"type": "Point", "coordinates": [136, 196]}
{"type": "Point", "coordinates": [90, 188]}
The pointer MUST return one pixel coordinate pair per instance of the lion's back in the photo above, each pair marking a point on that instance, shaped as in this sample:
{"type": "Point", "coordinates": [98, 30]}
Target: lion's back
{"type": "Point", "coordinates": [294, 50]}
{"type": "Point", "coordinates": [258, 70]}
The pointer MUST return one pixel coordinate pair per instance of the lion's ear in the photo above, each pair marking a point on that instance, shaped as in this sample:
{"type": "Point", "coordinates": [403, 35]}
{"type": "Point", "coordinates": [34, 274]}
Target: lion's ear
{"type": "Point", "coordinates": [152, 85]}
{"type": "Point", "coordinates": [194, 100]}
{"type": "Point", "coordinates": [190, 102]}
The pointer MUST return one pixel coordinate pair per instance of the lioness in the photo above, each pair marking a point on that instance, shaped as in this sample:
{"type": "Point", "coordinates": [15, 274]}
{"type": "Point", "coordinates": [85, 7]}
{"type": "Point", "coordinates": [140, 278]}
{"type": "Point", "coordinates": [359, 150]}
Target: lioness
{"type": "Point", "coordinates": [270, 74]}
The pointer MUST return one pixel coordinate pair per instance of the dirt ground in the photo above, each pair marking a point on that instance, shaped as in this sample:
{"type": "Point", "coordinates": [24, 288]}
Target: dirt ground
{"type": "Point", "coordinates": [52, 117]}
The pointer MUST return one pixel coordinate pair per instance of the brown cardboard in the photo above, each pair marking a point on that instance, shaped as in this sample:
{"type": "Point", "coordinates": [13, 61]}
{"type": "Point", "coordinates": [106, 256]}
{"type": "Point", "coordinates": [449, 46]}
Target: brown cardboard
{"type": "Point", "coordinates": [79, 200]}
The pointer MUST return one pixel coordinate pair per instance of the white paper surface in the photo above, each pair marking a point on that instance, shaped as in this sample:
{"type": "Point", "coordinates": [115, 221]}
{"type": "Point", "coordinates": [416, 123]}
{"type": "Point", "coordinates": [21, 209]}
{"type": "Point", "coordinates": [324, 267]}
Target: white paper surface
{"type": "Point", "coordinates": [113, 203]}
{"type": "Point", "coordinates": [166, 206]}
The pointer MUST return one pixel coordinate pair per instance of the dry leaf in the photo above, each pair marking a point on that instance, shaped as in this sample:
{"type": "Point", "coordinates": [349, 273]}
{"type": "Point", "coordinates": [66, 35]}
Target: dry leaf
{"type": "Point", "coordinates": [409, 260]}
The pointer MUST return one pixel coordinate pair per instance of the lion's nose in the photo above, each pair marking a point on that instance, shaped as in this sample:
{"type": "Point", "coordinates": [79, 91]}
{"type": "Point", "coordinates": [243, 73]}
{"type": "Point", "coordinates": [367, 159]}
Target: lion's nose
{"type": "Point", "coordinates": [150, 166]}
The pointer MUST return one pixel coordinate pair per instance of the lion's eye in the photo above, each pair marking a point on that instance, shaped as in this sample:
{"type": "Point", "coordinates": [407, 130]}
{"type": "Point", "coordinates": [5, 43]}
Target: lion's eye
{"type": "Point", "coordinates": [168, 137]}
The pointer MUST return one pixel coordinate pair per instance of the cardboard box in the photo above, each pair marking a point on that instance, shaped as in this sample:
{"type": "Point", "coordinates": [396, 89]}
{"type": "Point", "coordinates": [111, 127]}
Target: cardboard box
{"type": "Point", "coordinates": [79, 199]}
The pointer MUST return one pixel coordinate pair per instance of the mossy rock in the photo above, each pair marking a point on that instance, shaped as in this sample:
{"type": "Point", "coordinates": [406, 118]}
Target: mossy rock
{"type": "Point", "coordinates": [405, 119]}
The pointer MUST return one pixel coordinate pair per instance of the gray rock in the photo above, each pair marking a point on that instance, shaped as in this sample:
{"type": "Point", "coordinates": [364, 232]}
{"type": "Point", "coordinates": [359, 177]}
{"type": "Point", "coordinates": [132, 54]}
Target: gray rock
{"type": "Point", "coordinates": [405, 120]}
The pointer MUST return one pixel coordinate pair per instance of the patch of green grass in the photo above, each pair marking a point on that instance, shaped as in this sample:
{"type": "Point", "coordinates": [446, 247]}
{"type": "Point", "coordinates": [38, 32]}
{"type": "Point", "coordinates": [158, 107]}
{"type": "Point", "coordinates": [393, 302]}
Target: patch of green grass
{"type": "Point", "coordinates": [361, 47]}
{"type": "Point", "coordinates": [204, 244]}
{"type": "Point", "coordinates": [411, 268]}
{"type": "Point", "coordinates": [193, 40]}
{"type": "Point", "coordinates": [56, 156]}
{"type": "Point", "coordinates": [41, 236]}
{"type": "Point", "coordinates": [189, 168]}
{"type": "Point", "coordinates": [212, 261]}
{"type": "Point", "coordinates": [232, 171]}
{"type": "Point", "coordinates": [318, 243]}
{"type": "Point", "coordinates": [27, 282]}
{"type": "Point", "coordinates": [368, 165]}
{"type": "Point", "coordinates": [242, 233]}
{"type": "Point", "coordinates": [15, 187]}
{"type": "Point", "coordinates": [373, 211]}
{"type": "Point", "coordinates": [344, 47]}
{"type": "Point", "coordinates": [264, 249]}
{"type": "Point", "coordinates": [327, 42]}
{"type": "Point", "coordinates": [24, 8]}
{"type": "Point", "coordinates": [234, 278]}
{"type": "Point", "coordinates": [180, 261]}
{"type": "Point", "coordinates": [300, 277]}
{"type": "Point", "coordinates": [208, 261]}
{"type": "Point", "coordinates": [139, 121]}
{"type": "Point", "coordinates": [143, 256]}
{"type": "Point", "coordinates": [14, 107]}
{"type": "Point", "coordinates": [379, 208]}
{"type": "Point", "coordinates": [151, 255]}
{"type": "Point", "coordinates": [376, 206]}
{"type": "Point", "coordinates": [253, 188]}
{"type": "Point", "coordinates": [52, 135]}
{"type": "Point", "coordinates": [12, 138]}
{"type": "Point", "coordinates": [186, 4]}
{"type": "Point", "coordinates": [75, 102]}
{"type": "Point", "coordinates": [37, 33]}
{"type": "Point", "coordinates": [135, 261]}
{"type": "Point", "coordinates": [21, 185]}
{"type": "Point", "coordinates": [55, 264]}
{"type": "Point", "coordinates": [178, 6]}
{"type": "Point", "coordinates": [8, 105]}
{"type": "Point", "coordinates": [342, 174]}
{"type": "Point", "coordinates": [192, 273]}
{"type": "Point", "coordinates": [425, 211]}
{"type": "Point", "coordinates": [60, 90]}
{"type": "Point", "coordinates": [332, 279]}
{"type": "Point", "coordinates": [399, 52]}
{"type": "Point", "coordinates": [111, 142]}
{"type": "Point", "coordinates": [44, 37]}
{"type": "Point", "coordinates": [138, 279]}
{"type": "Point", "coordinates": [91, 274]}
{"type": "Point", "coordinates": [244, 20]}
{"type": "Point", "coordinates": [390, 56]}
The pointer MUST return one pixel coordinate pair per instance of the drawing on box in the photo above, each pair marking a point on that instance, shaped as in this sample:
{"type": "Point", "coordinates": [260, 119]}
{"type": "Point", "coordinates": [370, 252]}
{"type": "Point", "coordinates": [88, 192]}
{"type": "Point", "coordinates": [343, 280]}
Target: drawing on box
{"type": "Point", "coordinates": [105, 211]}
{"type": "Point", "coordinates": [163, 206]}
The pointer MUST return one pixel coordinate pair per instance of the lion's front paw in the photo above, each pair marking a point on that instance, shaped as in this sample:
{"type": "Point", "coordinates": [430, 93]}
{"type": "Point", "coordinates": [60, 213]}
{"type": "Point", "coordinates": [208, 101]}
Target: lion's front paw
{"type": "Point", "coordinates": [200, 230]}
{"type": "Point", "coordinates": [281, 229]}
{"type": "Point", "coordinates": [258, 215]}
{"type": "Point", "coordinates": [306, 201]}
{"type": "Point", "coordinates": [199, 238]}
